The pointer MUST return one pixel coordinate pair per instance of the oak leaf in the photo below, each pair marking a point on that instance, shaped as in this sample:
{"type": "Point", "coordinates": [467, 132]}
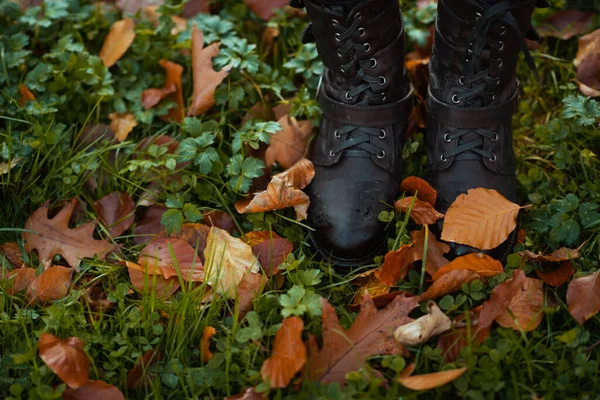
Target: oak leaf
{"type": "Point", "coordinates": [435, 250]}
{"type": "Point", "coordinates": [562, 254]}
{"type": "Point", "coordinates": [65, 358]}
{"type": "Point", "coordinates": [583, 297]}
{"type": "Point", "coordinates": [484, 265]}
{"type": "Point", "coordinates": [416, 186]}
{"type": "Point", "coordinates": [18, 279]}
{"type": "Point", "coordinates": [205, 353]}
{"type": "Point", "coordinates": [264, 9]}
{"type": "Point", "coordinates": [587, 62]}
{"type": "Point", "coordinates": [423, 328]}
{"type": "Point", "coordinates": [12, 252]}
{"type": "Point", "coordinates": [431, 381]}
{"type": "Point", "coordinates": [288, 145]}
{"type": "Point", "coordinates": [171, 87]}
{"type": "Point", "coordinates": [122, 124]}
{"type": "Point", "coordinates": [482, 219]}
{"type": "Point", "coordinates": [344, 351]}
{"type": "Point", "coordinates": [524, 311]}
{"type": "Point", "coordinates": [206, 79]}
{"type": "Point", "coordinates": [288, 356]}
{"type": "Point", "coordinates": [145, 280]}
{"type": "Point", "coordinates": [118, 40]}
{"type": "Point", "coordinates": [567, 23]}
{"type": "Point", "coordinates": [116, 211]}
{"type": "Point", "coordinates": [138, 377]}
{"type": "Point", "coordinates": [500, 299]}
{"type": "Point", "coordinates": [93, 390]}
{"type": "Point", "coordinates": [52, 284]}
{"type": "Point", "coordinates": [52, 236]}
{"type": "Point", "coordinates": [559, 276]}
{"type": "Point", "coordinates": [421, 212]}
{"type": "Point", "coordinates": [26, 94]}
{"type": "Point", "coordinates": [395, 265]}
{"type": "Point", "coordinates": [172, 257]}
{"type": "Point", "coordinates": [449, 282]}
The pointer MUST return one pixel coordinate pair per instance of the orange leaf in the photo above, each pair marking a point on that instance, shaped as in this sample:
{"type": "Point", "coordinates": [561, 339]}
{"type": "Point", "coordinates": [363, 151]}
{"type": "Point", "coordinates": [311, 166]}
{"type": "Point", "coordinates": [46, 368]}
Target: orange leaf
{"type": "Point", "coordinates": [525, 307]}
{"type": "Point", "coordinates": [288, 356]}
{"type": "Point", "coordinates": [137, 376]}
{"type": "Point", "coordinates": [482, 219]}
{"type": "Point", "coordinates": [435, 250]}
{"type": "Point", "coordinates": [265, 8]}
{"type": "Point", "coordinates": [369, 284]}
{"type": "Point", "coordinates": [288, 145]}
{"type": "Point", "coordinates": [116, 43]}
{"type": "Point", "coordinates": [583, 297]}
{"type": "Point", "coordinates": [562, 254]}
{"type": "Point", "coordinates": [26, 94]}
{"type": "Point", "coordinates": [395, 265]}
{"type": "Point", "coordinates": [12, 252]}
{"type": "Point", "coordinates": [422, 212]}
{"type": "Point", "coordinates": [65, 358]}
{"type": "Point", "coordinates": [116, 211]}
{"type": "Point", "coordinates": [122, 124]}
{"type": "Point", "coordinates": [559, 276]}
{"type": "Point", "coordinates": [93, 390]}
{"type": "Point", "coordinates": [52, 284]}
{"type": "Point", "coordinates": [205, 352]}
{"type": "Point", "coordinates": [255, 237]}
{"type": "Point", "coordinates": [299, 175]}
{"type": "Point", "coordinates": [19, 279]}
{"type": "Point", "coordinates": [423, 190]}
{"type": "Point", "coordinates": [171, 87]}
{"type": "Point", "coordinates": [484, 265]}
{"type": "Point", "coordinates": [500, 299]}
{"type": "Point", "coordinates": [431, 381]}
{"type": "Point", "coordinates": [449, 283]}
{"type": "Point", "coordinates": [143, 281]}
{"type": "Point", "coordinates": [206, 79]}
{"type": "Point", "coordinates": [171, 257]}
{"type": "Point", "coordinates": [53, 236]}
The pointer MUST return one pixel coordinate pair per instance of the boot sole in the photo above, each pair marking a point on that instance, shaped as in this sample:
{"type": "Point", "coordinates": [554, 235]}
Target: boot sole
{"type": "Point", "coordinates": [348, 263]}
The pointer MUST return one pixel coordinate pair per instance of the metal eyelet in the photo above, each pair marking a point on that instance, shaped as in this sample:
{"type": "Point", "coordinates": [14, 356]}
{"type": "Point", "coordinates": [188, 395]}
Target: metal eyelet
{"type": "Point", "coordinates": [477, 16]}
{"type": "Point", "coordinates": [494, 96]}
{"type": "Point", "coordinates": [461, 81]}
{"type": "Point", "coordinates": [373, 62]}
{"type": "Point", "coordinates": [467, 58]}
{"type": "Point", "coordinates": [382, 155]}
{"type": "Point", "coordinates": [342, 70]}
{"type": "Point", "coordinates": [443, 159]}
{"type": "Point", "coordinates": [455, 99]}
{"type": "Point", "coordinates": [335, 22]}
{"type": "Point", "coordinates": [382, 80]}
{"type": "Point", "coordinates": [383, 97]}
{"type": "Point", "coordinates": [498, 81]}
{"type": "Point", "coordinates": [348, 97]}
{"type": "Point", "coordinates": [340, 55]}
{"type": "Point", "coordinates": [500, 62]}
{"type": "Point", "coordinates": [495, 137]}
{"type": "Point", "coordinates": [367, 47]}
{"type": "Point", "coordinates": [358, 16]}
{"type": "Point", "coordinates": [337, 36]}
{"type": "Point", "coordinates": [361, 31]}
{"type": "Point", "coordinates": [382, 135]}
{"type": "Point", "coordinates": [493, 158]}
{"type": "Point", "coordinates": [501, 45]}
{"type": "Point", "coordinates": [331, 153]}
{"type": "Point", "coordinates": [447, 138]}
{"type": "Point", "coordinates": [502, 29]}
{"type": "Point", "coordinates": [337, 134]}
{"type": "Point", "coordinates": [470, 48]}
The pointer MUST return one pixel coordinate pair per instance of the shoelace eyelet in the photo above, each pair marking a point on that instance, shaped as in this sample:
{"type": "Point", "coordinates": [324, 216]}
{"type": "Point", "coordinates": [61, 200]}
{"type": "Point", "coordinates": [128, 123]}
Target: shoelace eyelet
{"type": "Point", "coordinates": [498, 81]}
{"type": "Point", "coordinates": [447, 138]}
{"type": "Point", "coordinates": [358, 16]}
{"type": "Point", "coordinates": [443, 159]}
{"type": "Point", "coordinates": [501, 45]}
{"type": "Point", "coordinates": [337, 37]}
{"type": "Point", "coordinates": [455, 99]}
{"type": "Point", "coordinates": [373, 62]}
{"type": "Point", "coordinates": [495, 137]}
{"type": "Point", "coordinates": [382, 155]}
{"type": "Point", "coordinates": [461, 81]}
{"type": "Point", "coordinates": [383, 97]}
{"type": "Point", "coordinates": [500, 62]}
{"type": "Point", "coordinates": [367, 47]}
{"type": "Point", "coordinates": [348, 97]}
{"type": "Point", "coordinates": [470, 48]}
{"type": "Point", "coordinates": [339, 54]}
{"type": "Point", "coordinates": [331, 153]}
{"type": "Point", "coordinates": [337, 134]}
{"type": "Point", "coordinates": [502, 29]}
{"type": "Point", "coordinates": [477, 16]}
{"type": "Point", "coordinates": [382, 134]}
{"type": "Point", "coordinates": [382, 80]}
{"type": "Point", "coordinates": [361, 31]}
{"type": "Point", "coordinates": [493, 158]}
{"type": "Point", "coordinates": [335, 22]}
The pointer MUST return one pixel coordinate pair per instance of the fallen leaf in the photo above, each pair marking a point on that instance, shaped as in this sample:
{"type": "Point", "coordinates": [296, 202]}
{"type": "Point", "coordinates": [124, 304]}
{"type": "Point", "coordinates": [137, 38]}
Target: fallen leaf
{"type": "Point", "coordinates": [299, 175]}
{"type": "Point", "coordinates": [435, 250]}
{"type": "Point", "coordinates": [205, 353]}
{"type": "Point", "coordinates": [288, 146]}
{"type": "Point", "coordinates": [96, 299]}
{"type": "Point", "coordinates": [219, 219]}
{"type": "Point", "coordinates": [560, 255]}
{"type": "Point", "coordinates": [249, 288]}
{"type": "Point", "coordinates": [422, 212]}
{"type": "Point", "coordinates": [138, 377]}
{"type": "Point", "coordinates": [567, 23]}
{"type": "Point", "coordinates": [431, 381]}
{"type": "Point", "coordinates": [143, 281]}
{"type": "Point", "coordinates": [93, 390]}
{"type": "Point", "coordinates": [583, 297]}
{"type": "Point", "coordinates": [149, 226]}
{"type": "Point", "coordinates": [118, 40]}
{"type": "Point", "coordinates": [482, 219]}
{"type": "Point", "coordinates": [248, 393]}
{"type": "Point", "coordinates": [19, 279]}
{"type": "Point", "coordinates": [12, 252]}
{"type": "Point", "coordinates": [65, 358]}
{"type": "Point", "coordinates": [271, 253]}
{"type": "Point", "coordinates": [172, 257]}
{"type": "Point", "coordinates": [255, 237]}
{"type": "Point", "coordinates": [116, 211]}
{"type": "Point", "coordinates": [587, 62]}
{"type": "Point", "coordinates": [521, 236]}
{"type": "Point", "coordinates": [264, 9]}
{"type": "Point", "coordinates": [122, 124]}
{"type": "Point", "coordinates": [449, 282]}
{"type": "Point", "coordinates": [288, 356]}
{"type": "Point", "coordinates": [180, 24]}
{"type": "Point", "coordinates": [347, 350]}
{"type": "Point", "coordinates": [206, 79]}
{"type": "Point", "coordinates": [52, 284]}
{"type": "Point", "coordinates": [52, 236]}
{"type": "Point", "coordinates": [153, 96]}
{"type": "Point", "coordinates": [500, 299]}
{"type": "Point", "coordinates": [395, 265]}
{"type": "Point", "coordinates": [26, 94]}
{"type": "Point", "coordinates": [423, 328]}
{"type": "Point", "coordinates": [373, 287]}
{"type": "Point", "coordinates": [484, 265]}
{"type": "Point", "coordinates": [524, 311]}
{"type": "Point", "coordinates": [227, 261]}
{"type": "Point", "coordinates": [7, 166]}
{"type": "Point", "coordinates": [416, 186]}
{"type": "Point", "coordinates": [171, 87]}
{"type": "Point", "coordinates": [453, 341]}
{"type": "Point", "coordinates": [195, 7]}
{"type": "Point", "coordinates": [559, 276]}
{"type": "Point", "coordinates": [195, 235]}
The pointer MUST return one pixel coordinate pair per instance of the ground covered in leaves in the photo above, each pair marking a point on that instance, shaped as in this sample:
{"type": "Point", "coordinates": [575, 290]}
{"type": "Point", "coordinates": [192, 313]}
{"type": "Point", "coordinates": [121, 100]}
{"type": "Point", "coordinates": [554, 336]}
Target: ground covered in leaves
{"type": "Point", "coordinates": [151, 235]}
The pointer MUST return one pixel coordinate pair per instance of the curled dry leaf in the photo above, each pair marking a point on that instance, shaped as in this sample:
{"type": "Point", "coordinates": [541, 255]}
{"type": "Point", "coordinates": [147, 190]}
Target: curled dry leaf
{"type": "Point", "coordinates": [93, 390]}
{"type": "Point", "coordinates": [52, 284]}
{"type": "Point", "coordinates": [583, 297]}
{"type": "Point", "coordinates": [65, 358]}
{"type": "Point", "coordinates": [26, 94]}
{"type": "Point", "coordinates": [524, 311]}
{"type": "Point", "coordinates": [264, 9]}
{"type": "Point", "coordinates": [587, 62]}
{"type": "Point", "coordinates": [172, 257]}
{"type": "Point", "coordinates": [431, 381]}
{"type": "Point", "coordinates": [500, 299]}
{"type": "Point", "coordinates": [288, 356]}
{"type": "Point", "coordinates": [300, 175]}
{"type": "Point", "coordinates": [435, 250]}
{"type": "Point", "coordinates": [118, 40]}
{"type": "Point", "coordinates": [205, 353]}
{"type": "Point", "coordinates": [12, 252]}
{"type": "Point", "coordinates": [484, 265]}
{"type": "Point", "coordinates": [567, 23]}
{"type": "Point", "coordinates": [423, 328]}
{"type": "Point", "coordinates": [116, 211]}
{"type": "Point", "coordinates": [228, 259]}
{"type": "Point", "coordinates": [138, 377]}
{"type": "Point", "coordinates": [145, 280]}
{"type": "Point", "coordinates": [122, 124]}
{"type": "Point", "coordinates": [559, 276]}
{"type": "Point", "coordinates": [482, 219]}
{"type": "Point", "coordinates": [271, 253]}
{"type": "Point", "coordinates": [172, 87]}
{"type": "Point", "coordinates": [18, 279]}
{"type": "Point", "coordinates": [416, 186]}
{"type": "Point", "coordinates": [206, 79]}
{"type": "Point", "coordinates": [395, 265]}
{"type": "Point", "coordinates": [52, 236]}
{"type": "Point", "coordinates": [449, 282]}
{"type": "Point", "coordinates": [422, 212]}
{"type": "Point", "coordinates": [288, 145]}
{"type": "Point", "coordinates": [560, 255]}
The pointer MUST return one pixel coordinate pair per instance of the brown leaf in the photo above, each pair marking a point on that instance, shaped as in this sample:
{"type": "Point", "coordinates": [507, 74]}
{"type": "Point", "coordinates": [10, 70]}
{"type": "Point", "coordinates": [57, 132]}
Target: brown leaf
{"type": "Point", "coordinates": [172, 257]}
{"type": "Point", "coordinates": [53, 236]}
{"type": "Point", "coordinates": [118, 40]}
{"type": "Point", "coordinates": [525, 307]}
{"type": "Point", "coordinates": [423, 328]}
{"type": "Point", "coordinates": [149, 226]}
{"type": "Point", "coordinates": [271, 253]}
{"type": "Point", "coordinates": [567, 23]}
{"type": "Point", "coordinates": [12, 252]}
{"type": "Point", "coordinates": [248, 393]}
{"type": "Point", "coordinates": [52, 284]}
{"type": "Point", "coordinates": [449, 282]}
{"type": "Point", "coordinates": [194, 234]}
{"type": "Point", "coordinates": [151, 13]}
{"type": "Point", "coordinates": [369, 284]}
{"type": "Point", "coordinates": [65, 358]}
{"type": "Point", "coordinates": [26, 94]}
{"type": "Point", "coordinates": [453, 341]}
{"type": "Point", "coordinates": [431, 381]}
{"type": "Point", "coordinates": [219, 219]}
{"type": "Point", "coordinates": [19, 279]}
{"type": "Point", "coordinates": [137, 377]}
{"type": "Point", "coordinates": [249, 288]}
{"type": "Point", "coordinates": [484, 265]}
{"type": "Point", "coordinates": [423, 190]}
{"type": "Point", "coordinates": [93, 390]}
{"type": "Point", "coordinates": [171, 87]}
{"type": "Point", "coordinates": [500, 299]}
{"type": "Point", "coordinates": [435, 250]}
{"type": "Point", "coordinates": [255, 237]}
{"type": "Point", "coordinates": [264, 9]}
{"type": "Point", "coordinates": [116, 211]}
{"type": "Point", "coordinates": [195, 7]}
{"type": "Point", "coordinates": [153, 96]}
{"type": "Point", "coordinates": [395, 265]}
{"type": "Point", "coordinates": [422, 212]}
{"type": "Point", "coordinates": [299, 175]}
{"type": "Point", "coordinates": [583, 297]}
{"type": "Point", "coordinates": [122, 124]}
{"type": "Point", "coordinates": [559, 276]}
{"type": "Point", "coordinates": [560, 255]}
{"type": "Point", "coordinates": [288, 356]}
{"type": "Point", "coordinates": [206, 79]}
{"type": "Point", "coordinates": [288, 145]}
{"type": "Point", "coordinates": [347, 350]}
{"type": "Point", "coordinates": [96, 299]}
{"type": "Point", "coordinates": [482, 219]}
{"type": "Point", "coordinates": [205, 353]}
{"type": "Point", "coordinates": [587, 62]}
{"type": "Point", "coordinates": [143, 281]}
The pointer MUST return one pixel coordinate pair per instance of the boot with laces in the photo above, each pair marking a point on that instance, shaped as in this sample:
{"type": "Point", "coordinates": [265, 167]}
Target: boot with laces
{"type": "Point", "coordinates": [366, 98]}
{"type": "Point", "coordinates": [472, 97]}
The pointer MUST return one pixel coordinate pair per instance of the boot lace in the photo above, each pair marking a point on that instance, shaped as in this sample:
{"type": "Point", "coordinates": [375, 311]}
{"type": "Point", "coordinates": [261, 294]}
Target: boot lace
{"type": "Point", "coordinates": [477, 80]}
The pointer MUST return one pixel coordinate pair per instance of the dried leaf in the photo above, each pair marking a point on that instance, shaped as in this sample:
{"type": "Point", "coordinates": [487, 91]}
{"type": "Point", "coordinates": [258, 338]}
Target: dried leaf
{"type": "Point", "coordinates": [19, 279]}
{"type": "Point", "coordinates": [567, 23]}
{"type": "Point", "coordinates": [422, 212]}
{"type": "Point", "coordinates": [560, 255]}
{"type": "Point", "coordinates": [248, 393]}
{"type": "Point", "coordinates": [171, 257]}
{"type": "Point", "coordinates": [423, 328]}
{"type": "Point", "coordinates": [65, 358]}
{"type": "Point", "coordinates": [255, 237]}
{"type": "Point", "coordinates": [195, 7]}
{"type": "Point", "coordinates": [288, 146]}
{"type": "Point", "coordinates": [219, 219]}
{"type": "Point", "coordinates": [271, 253]}
{"type": "Point", "coordinates": [482, 219]}
{"type": "Point", "coordinates": [423, 190]}
{"type": "Point", "coordinates": [96, 299]}
{"type": "Point", "coordinates": [149, 226]}
{"type": "Point", "coordinates": [195, 235]}
{"type": "Point", "coordinates": [205, 353]}
{"type": "Point", "coordinates": [180, 24]}
{"type": "Point", "coordinates": [143, 281]}
{"type": "Point", "coordinates": [53, 236]}
{"type": "Point", "coordinates": [227, 261]}
{"type": "Point", "coordinates": [435, 250]}
{"type": "Point", "coordinates": [250, 287]}
{"type": "Point", "coordinates": [12, 252]}
{"type": "Point", "coordinates": [116, 211]}
{"type": "Point", "coordinates": [347, 350]}
{"type": "Point", "coordinates": [587, 62]}
{"type": "Point", "coordinates": [122, 124]}
{"type": "Point", "coordinates": [299, 175]}
{"type": "Point", "coordinates": [153, 96]}
{"type": "Point", "coordinates": [583, 297]}
{"type": "Point", "coordinates": [456, 339]}
{"type": "Point", "coordinates": [395, 265]}
{"type": "Point", "coordinates": [172, 87]}
{"type": "Point", "coordinates": [206, 79]}
{"type": "Point", "coordinates": [431, 381]}
{"type": "Point", "coordinates": [7, 166]}
{"type": "Point", "coordinates": [484, 265]}
{"type": "Point", "coordinates": [525, 307]}
{"type": "Point", "coordinates": [449, 282]}
{"type": "Point", "coordinates": [52, 284]}
{"type": "Point", "coordinates": [93, 390]}
{"type": "Point", "coordinates": [137, 377]}
{"type": "Point", "coordinates": [264, 9]}
{"type": "Point", "coordinates": [118, 40]}
{"type": "Point", "coordinates": [288, 356]}
{"type": "Point", "coordinates": [26, 94]}
{"type": "Point", "coordinates": [500, 299]}
{"type": "Point", "coordinates": [559, 276]}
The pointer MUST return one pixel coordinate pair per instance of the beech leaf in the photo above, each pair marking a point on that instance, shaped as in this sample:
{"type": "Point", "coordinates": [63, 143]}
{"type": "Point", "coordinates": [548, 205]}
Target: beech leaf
{"type": "Point", "coordinates": [52, 284]}
{"type": "Point", "coordinates": [118, 40]}
{"type": "Point", "coordinates": [288, 356]}
{"type": "Point", "coordinates": [93, 390]}
{"type": "Point", "coordinates": [65, 358]}
{"type": "Point", "coordinates": [122, 124]}
{"type": "Point", "coordinates": [583, 297]}
{"type": "Point", "coordinates": [562, 254]}
{"type": "Point", "coordinates": [264, 9]}
{"type": "Point", "coordinates": [299, 175]}
{"type": "Point", "coordinates": [144, 279]}
{"type": "Point", "coordinates": [288, 145]}
{"type": "Point", "coordinates": [559, 276]}
{"type": "Point", "coordinates": [249, 288]}
{"type": "Point", "coordinates": [435, 250]}
{"type": "Point", "coordinates": [524, 311]}
{"type": "Point", "coordinates": [449, 282]}
{"type": "Point", "coordinates": [116, 211]}
{"type": "Point", "coordinates": [484, 265]}
{"type": "Point", "coordinates": [431, 381]}
{"type": "Point", "coordinates": [271, 253]}
{"type": "Point", "coordinates": [18, 279]}
{"type": "Point", "coordinates": [587, 62]}
{"type": "Point", "coordinates": [500, 299]}
{"type": "Point", "coordinates": [416, 186]}
{"type": "Point", "coordinates": [423, 328]}
{"type": "Point", "coordinates": [172, 257]}
{"type": "Point", "coordinates": [422, 212]}
{"type": "Point", "coordinates": [395, 265]}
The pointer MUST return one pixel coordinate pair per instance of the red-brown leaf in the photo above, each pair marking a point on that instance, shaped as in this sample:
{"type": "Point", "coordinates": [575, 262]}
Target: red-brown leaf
{"type": "Point", "coordinates": [52, 284]}
{"type": "Point", "coordinates": [249, 288]}
{"type": "Point", "coordinates": [12, 252]}
{"type": "Point", "coordinates": [583, 297]}
{"type": "Point", "coordinates": [271, 253]}
{"type": "Point", "coordinates": [149, 226]}
{"type": "Point", "coordinates": [65, 358]}
{"type": "Point", "coordinates": [422, 212]}
{"type": "Point", "coordinates": [171, 257]}
{"type": "Point", "coordinates": [423, 190]}
{"type": "Point", "coordinates": [567, 23]}
{"type": "Point", "coordinates": [288, 145]}
{"type": "Point", "coordinates": [265, 8]}
{"type": "Point", "coordinates": [501, 297]}
{"type": "Point", "coordinates": [137, 376]}
{"type": "Point", "coordinates": [171, 87]}
{"type": "Point", "coordinates": [587, 62]}
{"type": "Point", "coordinates": [146, 279]}
{"type": "Point", "coordinates": [116, 211]}
{"type": "Point", "coordinates": [26, 94]}
{"type": "Point", "coordinates": [435, 250]}
{"type": "Point", "coordinates": [395, 265]}
{"type": "Point", "coordinates": [19, 279]}
{"type": "Point", "coordinates": [219, 219]}
{"type": "Point", "coordinates": [559, 276]}
{"type": "Point", "coordinates": [449, 283]}
{"type": "Point", "coordinates": [525, 307]}
{"type": "Point", "coordinates": [288, 355]}
{"type": "Point", "coordinates": [93, 390]}
{"type": "Point", "coordinates": [560, 255]}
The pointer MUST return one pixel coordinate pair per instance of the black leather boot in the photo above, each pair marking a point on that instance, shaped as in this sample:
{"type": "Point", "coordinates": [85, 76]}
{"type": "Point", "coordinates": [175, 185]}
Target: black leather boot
{"type": "Point", "coordinates": [472, 97]}
{"type": "Point", "coordinates": [366, 99]}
